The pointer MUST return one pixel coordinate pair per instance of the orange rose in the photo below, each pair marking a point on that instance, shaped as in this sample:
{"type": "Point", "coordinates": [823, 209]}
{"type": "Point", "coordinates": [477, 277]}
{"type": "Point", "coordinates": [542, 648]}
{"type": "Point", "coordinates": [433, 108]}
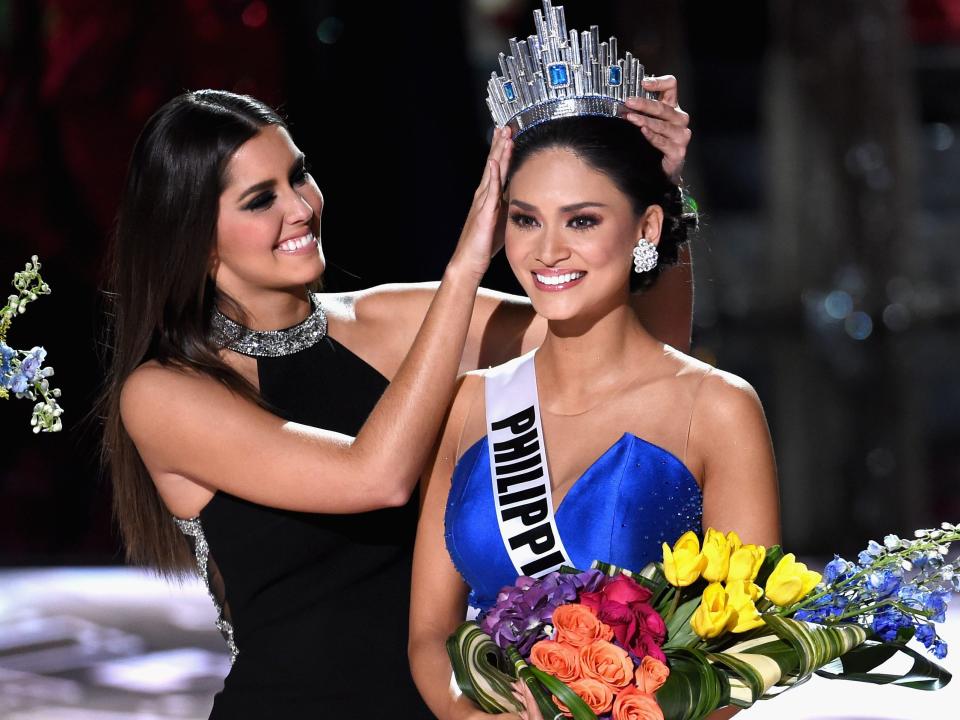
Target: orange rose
{"type": "Point", "coordinates": [597, 695]}
{"type": "Point", "coordinates": [561, 661]}
{"type": "Point", "coordinates": [633, 704]}
{"type": "Point", "coordinates": [607, 663]}
{"type": "Point", "coordinates": [651, 675]}
{"type": "Point", "coordinates": [577, 625]}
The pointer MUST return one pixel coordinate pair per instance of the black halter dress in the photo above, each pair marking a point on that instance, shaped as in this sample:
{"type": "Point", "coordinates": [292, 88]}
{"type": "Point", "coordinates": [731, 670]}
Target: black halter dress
{"type": "Point", "coordinates": [313, 607]}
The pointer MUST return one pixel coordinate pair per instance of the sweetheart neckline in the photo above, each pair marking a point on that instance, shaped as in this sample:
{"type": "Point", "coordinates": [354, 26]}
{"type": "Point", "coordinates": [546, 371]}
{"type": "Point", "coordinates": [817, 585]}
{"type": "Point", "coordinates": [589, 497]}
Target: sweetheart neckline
{"type": "Point", "coordinates": [558, 506]}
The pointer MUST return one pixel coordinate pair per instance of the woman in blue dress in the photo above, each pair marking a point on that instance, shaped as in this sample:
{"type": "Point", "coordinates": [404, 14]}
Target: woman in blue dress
{"type": "Point", "coordinates": [607, 442]}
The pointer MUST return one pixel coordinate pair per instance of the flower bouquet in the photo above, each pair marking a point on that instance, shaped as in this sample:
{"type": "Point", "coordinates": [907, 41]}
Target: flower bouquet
{"type": "Point", "coordinates": [21, 371]}
{"type": "Point", "coordinates": [722, 623]}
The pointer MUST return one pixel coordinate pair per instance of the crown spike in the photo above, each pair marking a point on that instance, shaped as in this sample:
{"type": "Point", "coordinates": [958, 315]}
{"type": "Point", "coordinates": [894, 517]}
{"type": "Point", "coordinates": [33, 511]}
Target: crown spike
{"type": "Point", "coordinates": [541, 27]}
{"type": "Point", "coordinates": [561, 20]}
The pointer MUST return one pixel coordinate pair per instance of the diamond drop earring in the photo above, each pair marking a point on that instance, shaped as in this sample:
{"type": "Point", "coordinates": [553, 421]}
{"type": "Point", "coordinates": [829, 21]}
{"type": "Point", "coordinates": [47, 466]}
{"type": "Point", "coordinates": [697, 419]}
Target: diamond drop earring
{"type": "Point", "coordinates": [644, 256]}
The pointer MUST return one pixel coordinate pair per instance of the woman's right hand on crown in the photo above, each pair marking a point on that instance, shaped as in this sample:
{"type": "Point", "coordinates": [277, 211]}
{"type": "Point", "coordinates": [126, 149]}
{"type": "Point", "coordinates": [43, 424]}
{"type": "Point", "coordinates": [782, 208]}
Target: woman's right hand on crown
{"type": "Point", "coordinates": [480, 239]}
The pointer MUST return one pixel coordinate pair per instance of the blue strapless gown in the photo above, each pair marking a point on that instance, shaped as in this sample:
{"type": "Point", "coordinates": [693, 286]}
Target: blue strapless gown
{"type": "Point", "coordinates": [633, 498]}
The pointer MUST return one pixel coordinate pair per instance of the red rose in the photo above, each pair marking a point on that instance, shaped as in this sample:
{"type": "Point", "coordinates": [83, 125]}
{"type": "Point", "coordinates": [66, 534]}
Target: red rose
{"type": "Point", "coordinates": [622, 605]}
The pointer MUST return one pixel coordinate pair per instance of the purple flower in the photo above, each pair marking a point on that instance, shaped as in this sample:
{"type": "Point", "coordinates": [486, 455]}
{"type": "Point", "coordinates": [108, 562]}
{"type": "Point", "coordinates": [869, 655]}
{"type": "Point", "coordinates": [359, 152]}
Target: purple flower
{"type": "Point", "coordinates": [524, 608]}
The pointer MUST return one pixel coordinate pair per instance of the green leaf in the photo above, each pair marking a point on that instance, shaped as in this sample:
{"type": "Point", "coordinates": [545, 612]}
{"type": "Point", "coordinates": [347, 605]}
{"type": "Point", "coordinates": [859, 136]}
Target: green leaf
{"type": "Point", "coordinates": [748, 683]}
{"type": "Point", "coordinates": [816, 645]}
{"type": "Point", "coordinates": [480, 669]}
{"type": "Point", "coordinates": [694, 688]}
{"type": "Point", "coordinates": [578, 708]}
{"type": "Point", "coordinates": [679, 632]}
{"type": "Point", "coordinates": [858, 665]}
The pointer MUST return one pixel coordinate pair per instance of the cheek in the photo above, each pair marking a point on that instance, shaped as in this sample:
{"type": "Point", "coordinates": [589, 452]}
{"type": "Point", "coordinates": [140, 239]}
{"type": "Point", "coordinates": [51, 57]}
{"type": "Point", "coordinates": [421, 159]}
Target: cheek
{"type": "Point", "coordinates": [516, 248]}
{"type": "Point", "coordinates": [244, 234]}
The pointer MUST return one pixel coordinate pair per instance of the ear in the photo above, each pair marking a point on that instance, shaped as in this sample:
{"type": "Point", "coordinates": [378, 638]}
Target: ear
{"type": "Point", "coordinates": [651, 224]}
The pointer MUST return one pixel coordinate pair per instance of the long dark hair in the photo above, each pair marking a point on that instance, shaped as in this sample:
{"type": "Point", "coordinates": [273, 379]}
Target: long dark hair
{"type": "Point", "coordinates": [160, 293]}
{"type": "Point", "coordinates": [618, 149]}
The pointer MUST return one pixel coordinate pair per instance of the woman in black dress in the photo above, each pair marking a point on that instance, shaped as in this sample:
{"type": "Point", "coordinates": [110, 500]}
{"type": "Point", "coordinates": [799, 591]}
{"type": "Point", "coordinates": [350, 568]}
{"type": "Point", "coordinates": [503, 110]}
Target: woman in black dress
{"type": "Point", "coordinates": [281, 463]}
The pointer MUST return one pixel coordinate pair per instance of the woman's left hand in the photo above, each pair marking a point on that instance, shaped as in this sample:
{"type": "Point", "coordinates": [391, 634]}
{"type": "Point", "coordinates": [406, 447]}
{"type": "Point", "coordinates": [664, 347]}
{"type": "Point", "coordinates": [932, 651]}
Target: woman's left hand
{"type": "Point", "coordinates": [663, 123]}
{"type": "Point", "coordinates": [530, 709]}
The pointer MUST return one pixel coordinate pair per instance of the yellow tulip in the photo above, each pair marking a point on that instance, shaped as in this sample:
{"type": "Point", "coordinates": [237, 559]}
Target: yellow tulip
{"type": "Point", "coordinates": [714, 614]}
{"type": "Point", "coordinates": [790, 581]}
{"type": "Point", "coordinates": [741, 595]}
{"type": "Point", "coordinates": [745, 563]}
{"type": "Point", "coordinates": [683, 565]}
{"type": "Point", "coordinates": [734, 541]}
{"type": "Point", "coordinates": [716, 550]}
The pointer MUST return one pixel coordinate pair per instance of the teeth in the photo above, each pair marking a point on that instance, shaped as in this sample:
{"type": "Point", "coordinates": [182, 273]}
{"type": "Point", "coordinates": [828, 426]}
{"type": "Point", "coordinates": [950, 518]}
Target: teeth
{"type": "Point", "coordinates": [296, 243]}
{"type": "Point", "coordinates": [558, 279]}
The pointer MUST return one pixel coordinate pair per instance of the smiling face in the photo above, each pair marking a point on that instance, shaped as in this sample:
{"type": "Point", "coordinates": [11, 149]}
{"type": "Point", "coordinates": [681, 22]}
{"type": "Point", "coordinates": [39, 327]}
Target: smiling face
{"type": "Point", "coordinates": [268, 227]}
{"type": "Point", "coordinates": [570, 235]}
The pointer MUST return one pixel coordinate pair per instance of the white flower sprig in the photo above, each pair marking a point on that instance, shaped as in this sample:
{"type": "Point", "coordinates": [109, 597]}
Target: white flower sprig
{"type": "Point", "coordinates": [21, 371]}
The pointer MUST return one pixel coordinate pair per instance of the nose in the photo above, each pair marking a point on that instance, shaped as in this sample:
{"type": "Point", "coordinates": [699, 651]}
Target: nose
{"type": "Point", "coordinates": [552, 249]}
{"type": "Point", "coordinates": [298, 208]}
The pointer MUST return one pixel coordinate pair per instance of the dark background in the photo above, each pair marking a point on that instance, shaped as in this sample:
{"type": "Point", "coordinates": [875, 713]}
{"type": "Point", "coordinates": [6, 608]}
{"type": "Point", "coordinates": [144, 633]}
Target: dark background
{"type": "Point", "coordinates": [824, 157]}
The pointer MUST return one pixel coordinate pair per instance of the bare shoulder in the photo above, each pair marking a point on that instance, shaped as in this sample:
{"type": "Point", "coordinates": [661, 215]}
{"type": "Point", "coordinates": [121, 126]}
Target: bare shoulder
{"type": "Point", "coordinates": [720, 395]}
{"type": "Point", "coordinates": [729, 399]}
{"type": "Point", "coordinates": [153, 386]}
{"type": "Point", "coordinates": [156, 394]}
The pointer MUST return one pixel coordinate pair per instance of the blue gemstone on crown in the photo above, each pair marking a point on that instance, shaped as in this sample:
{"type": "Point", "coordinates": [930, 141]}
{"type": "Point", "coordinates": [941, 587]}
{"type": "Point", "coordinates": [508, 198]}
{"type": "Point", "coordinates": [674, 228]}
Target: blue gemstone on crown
{"type": "Point", "coordinates": [509, 91]}
{"type": "Point", "coordinates": [558, 75]}
{"type": "Point", "coordinates": [615, 76]}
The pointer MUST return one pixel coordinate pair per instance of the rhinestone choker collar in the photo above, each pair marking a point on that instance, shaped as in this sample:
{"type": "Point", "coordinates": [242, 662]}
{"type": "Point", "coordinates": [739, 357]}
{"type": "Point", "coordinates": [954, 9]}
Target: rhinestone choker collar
{"type": "Point", "coordinates": [270, 343]}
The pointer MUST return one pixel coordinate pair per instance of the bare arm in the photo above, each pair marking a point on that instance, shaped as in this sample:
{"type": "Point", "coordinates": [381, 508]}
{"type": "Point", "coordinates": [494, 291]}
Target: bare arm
{"type": "Point", "coordinates": [189, 427]}
{"type": "Point", "coordinates": [504, 326]}
{"type": "Point", "coordinates": [438, 593]}
{"type": "Point", "coordinates": [739, 471]}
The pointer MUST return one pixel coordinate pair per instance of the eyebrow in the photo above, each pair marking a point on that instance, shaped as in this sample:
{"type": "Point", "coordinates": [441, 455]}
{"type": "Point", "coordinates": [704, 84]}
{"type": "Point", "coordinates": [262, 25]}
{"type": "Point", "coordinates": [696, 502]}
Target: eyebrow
{"type": "Point", "coordinates": [566, 208]}
{"type": "Point", "coordinates": [298, 163]}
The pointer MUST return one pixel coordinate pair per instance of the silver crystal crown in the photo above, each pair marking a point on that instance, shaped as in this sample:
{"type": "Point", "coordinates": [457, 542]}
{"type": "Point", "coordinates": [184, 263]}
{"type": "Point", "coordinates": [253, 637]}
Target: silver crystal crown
{"type": "Point", "coordinates": [556, 74]}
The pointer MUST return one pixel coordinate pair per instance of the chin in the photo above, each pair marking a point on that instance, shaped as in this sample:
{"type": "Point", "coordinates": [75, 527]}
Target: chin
{"type": "Point", "coordinates": [556, 309]}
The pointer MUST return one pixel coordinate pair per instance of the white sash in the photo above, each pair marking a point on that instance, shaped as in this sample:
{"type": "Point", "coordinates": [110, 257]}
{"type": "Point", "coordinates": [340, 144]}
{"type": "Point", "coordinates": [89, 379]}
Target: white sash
{"type": "Point", "coordinates": [518, 469]}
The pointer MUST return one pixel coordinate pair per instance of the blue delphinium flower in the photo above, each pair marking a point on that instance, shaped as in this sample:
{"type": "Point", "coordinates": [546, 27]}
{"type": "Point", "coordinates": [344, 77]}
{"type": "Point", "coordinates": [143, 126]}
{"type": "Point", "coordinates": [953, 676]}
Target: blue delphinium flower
{"type": "Point", "coordinates": [19, 383]}
{"type": "Point", "coordinates": [888, 621]}
{"type": "Point", "coordinates": [7, 354]}
{"type": "Point", "coordinates": [837, 569]}
{"type": "Point", "coordinates": [884, 582]}
{"type": "Point", "coordinates": [873, 551]}
{"type": "Point", "coordinates": [939, 649]}
{"type": "Point", "coordinates": [926, 634]}
{"type": "Point", "coordinates": [936, 604]}
{"type": "Point", "coordinates": [32, 362]}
